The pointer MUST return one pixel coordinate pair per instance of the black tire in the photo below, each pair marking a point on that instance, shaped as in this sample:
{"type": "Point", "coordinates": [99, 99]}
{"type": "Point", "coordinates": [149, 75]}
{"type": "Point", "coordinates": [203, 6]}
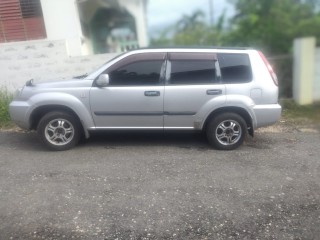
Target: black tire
{"type": "Point", "coordinates": [59, 131]}
{"type": "Point", "coordinates": [226, 131]}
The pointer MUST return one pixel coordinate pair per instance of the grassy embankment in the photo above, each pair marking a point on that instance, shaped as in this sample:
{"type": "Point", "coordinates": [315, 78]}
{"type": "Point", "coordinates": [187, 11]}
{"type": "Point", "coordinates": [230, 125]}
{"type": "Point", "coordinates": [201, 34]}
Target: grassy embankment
{"type": "Point", "coordinates": [300, 115]}
{"type": "Point", "coordinates": [5, 99]}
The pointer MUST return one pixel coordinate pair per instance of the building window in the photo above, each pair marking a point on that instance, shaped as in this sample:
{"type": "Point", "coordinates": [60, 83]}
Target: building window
{"type": "Point", "coordinates": [31, 8]}
{"type": "Point", "coordinates": [21, 20]}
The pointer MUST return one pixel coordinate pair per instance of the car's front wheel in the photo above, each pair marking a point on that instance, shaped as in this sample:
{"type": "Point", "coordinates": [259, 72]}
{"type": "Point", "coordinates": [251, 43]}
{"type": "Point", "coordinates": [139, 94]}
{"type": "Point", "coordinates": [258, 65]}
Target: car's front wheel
{"type": "Point", "coordinates": [226, 131]}
{"type": "Point", "coordinates": [59, 130]}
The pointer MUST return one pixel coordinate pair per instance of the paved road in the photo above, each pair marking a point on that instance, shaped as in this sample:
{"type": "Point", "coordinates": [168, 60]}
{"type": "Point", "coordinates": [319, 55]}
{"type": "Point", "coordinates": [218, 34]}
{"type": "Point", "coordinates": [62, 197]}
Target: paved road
{"type": "Point", "coordinates": [154, 186]}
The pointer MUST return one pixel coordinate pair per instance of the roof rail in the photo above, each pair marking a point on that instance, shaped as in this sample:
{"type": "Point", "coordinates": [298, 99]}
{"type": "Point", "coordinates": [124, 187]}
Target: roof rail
{"type": "Point", "coordinates": [197, 47]}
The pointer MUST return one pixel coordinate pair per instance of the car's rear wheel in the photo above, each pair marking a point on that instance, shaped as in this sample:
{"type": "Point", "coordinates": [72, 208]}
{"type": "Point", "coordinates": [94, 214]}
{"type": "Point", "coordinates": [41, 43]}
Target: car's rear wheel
{"type": "Point", "coordinates": [59, 130]}
{"type": "Point", "coordinates": [226, 131]}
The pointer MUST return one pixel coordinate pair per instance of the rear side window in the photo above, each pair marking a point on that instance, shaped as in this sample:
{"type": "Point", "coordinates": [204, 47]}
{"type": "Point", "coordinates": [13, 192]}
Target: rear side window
{"type": "Point", "coordinates": [235, 68]}
{"type": "Point", "coordinates": [192, 68]}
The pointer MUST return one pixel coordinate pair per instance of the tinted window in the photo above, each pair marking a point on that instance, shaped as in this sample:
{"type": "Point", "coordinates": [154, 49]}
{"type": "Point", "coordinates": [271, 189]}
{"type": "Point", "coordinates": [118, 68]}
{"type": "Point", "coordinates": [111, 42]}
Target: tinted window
{"type": "Point", "coordinates": [192, 69]}
{"type": "Point", "coordinates": [145, 72]}
{"type": "Point", "coordinates": [235, 68]}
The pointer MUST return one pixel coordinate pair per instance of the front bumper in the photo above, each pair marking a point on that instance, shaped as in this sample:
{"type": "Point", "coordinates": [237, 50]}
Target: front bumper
{"type": "Point", "coordinates": [19, 113]}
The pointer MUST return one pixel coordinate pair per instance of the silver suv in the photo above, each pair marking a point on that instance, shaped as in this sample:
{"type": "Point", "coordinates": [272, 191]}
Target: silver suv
{"type": "Point", "coordinates": [225, 92]}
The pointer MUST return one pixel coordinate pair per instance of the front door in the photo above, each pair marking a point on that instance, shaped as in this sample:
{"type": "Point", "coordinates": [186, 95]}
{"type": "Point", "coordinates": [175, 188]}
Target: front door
{"type": "Point", "coordinates": [134, 97]}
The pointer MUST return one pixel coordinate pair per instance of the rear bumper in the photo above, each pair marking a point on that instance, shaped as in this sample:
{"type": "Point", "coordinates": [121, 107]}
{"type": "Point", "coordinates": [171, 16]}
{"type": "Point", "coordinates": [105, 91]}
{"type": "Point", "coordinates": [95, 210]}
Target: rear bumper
{"type": "Point", "coordinates": [267, 114]}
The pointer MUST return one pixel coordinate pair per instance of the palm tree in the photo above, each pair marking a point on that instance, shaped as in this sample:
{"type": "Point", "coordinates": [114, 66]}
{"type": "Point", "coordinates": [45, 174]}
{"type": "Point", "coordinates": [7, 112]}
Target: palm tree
{"type": "Point", "coordinates": [189, 22]}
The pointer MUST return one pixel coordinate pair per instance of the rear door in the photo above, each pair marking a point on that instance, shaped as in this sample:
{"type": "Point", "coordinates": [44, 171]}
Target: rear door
{"type": "Point", "coordinates": [191, 81]}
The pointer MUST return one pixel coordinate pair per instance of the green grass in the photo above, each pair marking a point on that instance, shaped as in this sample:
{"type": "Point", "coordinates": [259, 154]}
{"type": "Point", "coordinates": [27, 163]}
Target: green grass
{"type": "Point", "coordinates": [5, 99]}
{"type": "Point", "coordinates": [307, 114]}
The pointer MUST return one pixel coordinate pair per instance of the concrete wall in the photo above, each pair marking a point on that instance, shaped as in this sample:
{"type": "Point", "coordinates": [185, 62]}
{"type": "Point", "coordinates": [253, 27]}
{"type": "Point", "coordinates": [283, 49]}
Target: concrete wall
{"type": "Point", "coordinates": [42, 60]}
{"type": "Point", "coordinates": [316, 92]}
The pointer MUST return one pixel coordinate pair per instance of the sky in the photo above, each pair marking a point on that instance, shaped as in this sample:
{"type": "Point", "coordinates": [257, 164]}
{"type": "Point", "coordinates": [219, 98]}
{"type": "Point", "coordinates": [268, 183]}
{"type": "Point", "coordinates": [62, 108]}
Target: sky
{"type": "Point", "coordinates": [163, 13]}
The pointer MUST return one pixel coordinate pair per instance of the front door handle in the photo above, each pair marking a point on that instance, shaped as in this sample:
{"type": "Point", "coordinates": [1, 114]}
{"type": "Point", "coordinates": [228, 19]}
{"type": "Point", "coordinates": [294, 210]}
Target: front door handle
{"type": "Point", "coordinates": [214, 92]}
{"type": "Point", "coordinates": [152, 93]}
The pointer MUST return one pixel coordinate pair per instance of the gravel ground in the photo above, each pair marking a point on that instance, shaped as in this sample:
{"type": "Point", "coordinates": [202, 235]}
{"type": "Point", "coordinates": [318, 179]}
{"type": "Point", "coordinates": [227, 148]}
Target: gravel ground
{"type": "Point", "coordinates": [162, 186]}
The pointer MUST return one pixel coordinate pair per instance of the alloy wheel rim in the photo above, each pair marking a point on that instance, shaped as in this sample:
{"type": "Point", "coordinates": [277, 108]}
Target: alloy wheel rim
{"type": "Point", "coordinates": [228, 132]}
{"type": "Point", "coordinates": [59, 132]}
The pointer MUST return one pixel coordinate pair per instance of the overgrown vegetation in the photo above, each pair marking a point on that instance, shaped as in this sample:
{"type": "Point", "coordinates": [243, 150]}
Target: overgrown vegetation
{"type": "Point", "coordinates": [270, 25]}
{"type": "Point", "coordinates": [309, 114]}
{"type": "Point", "coordinates": [5, 99]}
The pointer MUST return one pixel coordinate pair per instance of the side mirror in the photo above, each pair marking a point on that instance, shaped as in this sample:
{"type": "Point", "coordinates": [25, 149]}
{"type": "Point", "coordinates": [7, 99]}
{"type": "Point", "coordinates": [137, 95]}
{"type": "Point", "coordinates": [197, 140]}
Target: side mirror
{"type": "Point", "coordinates": [103, 80]}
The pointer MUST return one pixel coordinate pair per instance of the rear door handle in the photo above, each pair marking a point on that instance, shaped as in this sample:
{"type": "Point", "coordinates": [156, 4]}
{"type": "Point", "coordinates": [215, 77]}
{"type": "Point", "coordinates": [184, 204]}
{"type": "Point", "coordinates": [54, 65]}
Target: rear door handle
{"type": "Point", "coordinates": [214, 92]}
{"type": "Point", "coordinates": [152, 93]}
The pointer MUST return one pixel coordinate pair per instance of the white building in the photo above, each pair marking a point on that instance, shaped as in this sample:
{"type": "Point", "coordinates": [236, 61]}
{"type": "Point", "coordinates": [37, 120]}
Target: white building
{"type": "Point", "coordinates": [51, 39]}
{"type": "Point", "coordinates": [87, 26]}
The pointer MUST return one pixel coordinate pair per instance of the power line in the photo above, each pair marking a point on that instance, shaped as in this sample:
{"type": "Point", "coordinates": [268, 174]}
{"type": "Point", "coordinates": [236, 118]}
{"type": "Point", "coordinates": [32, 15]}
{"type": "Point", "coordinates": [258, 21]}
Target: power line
{"type": "Point", "coordinates": [211, 12]}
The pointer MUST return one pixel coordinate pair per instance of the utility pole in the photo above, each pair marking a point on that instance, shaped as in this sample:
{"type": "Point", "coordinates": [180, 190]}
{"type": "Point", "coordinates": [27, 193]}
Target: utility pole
{"type": "Point", "coordinates": [211, 12]}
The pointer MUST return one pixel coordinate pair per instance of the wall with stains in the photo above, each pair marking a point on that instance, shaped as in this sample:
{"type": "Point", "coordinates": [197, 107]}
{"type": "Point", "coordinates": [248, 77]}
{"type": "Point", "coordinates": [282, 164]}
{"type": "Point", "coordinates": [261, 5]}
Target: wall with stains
{"type": "Point", "coordinates": [42, 60]}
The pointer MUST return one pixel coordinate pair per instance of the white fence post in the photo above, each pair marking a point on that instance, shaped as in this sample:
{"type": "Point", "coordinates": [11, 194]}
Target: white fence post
{"type": "Point", "coordinates": [304, 70]}
{"type": "Point", "coordinates": [316, 91]}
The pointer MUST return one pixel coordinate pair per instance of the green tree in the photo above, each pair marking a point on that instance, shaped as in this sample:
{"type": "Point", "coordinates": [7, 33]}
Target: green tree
{"type": "Point", "coordinates": [163, 39]}
{"type": "Point", "coordinates": [190, 22]}
{"type": "Point", "coordinates": [270, 25]}
{"type": "Point", "coordinates": [192, 30]}
{"type": "Point", "coordinates": [273, 24]}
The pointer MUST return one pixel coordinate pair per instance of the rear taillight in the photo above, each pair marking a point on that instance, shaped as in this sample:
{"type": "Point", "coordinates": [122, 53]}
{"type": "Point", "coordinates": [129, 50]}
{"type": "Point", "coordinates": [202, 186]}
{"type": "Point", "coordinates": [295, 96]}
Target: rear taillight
{"type": "Point", "coordinates": [270, 69]}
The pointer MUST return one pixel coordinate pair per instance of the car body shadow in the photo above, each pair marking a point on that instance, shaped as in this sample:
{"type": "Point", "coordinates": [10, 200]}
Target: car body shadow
{"type": "Point", "coordinates": [29, 141]}
{"type": "Point", "coordinates": [112, 139]}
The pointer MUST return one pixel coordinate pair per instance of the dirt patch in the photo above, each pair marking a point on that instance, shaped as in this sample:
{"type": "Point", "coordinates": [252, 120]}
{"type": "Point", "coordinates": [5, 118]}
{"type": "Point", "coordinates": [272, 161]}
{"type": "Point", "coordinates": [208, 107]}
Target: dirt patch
{"type": "Point", "coordinates": [292, 125]}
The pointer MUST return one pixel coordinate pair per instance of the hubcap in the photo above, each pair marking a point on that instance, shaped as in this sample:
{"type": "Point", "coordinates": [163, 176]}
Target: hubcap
{"type": "Point", "coordinates": [228, 132]}
{"type": "Point", "coordinates": [59, 132]}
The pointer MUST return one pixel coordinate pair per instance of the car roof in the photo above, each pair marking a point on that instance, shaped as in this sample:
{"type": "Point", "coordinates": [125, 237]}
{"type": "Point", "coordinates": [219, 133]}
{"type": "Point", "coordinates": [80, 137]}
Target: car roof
{"type": "Point", "coordinates": [194, 49]}
{"type": "Point", "coordinates": [198, 47]}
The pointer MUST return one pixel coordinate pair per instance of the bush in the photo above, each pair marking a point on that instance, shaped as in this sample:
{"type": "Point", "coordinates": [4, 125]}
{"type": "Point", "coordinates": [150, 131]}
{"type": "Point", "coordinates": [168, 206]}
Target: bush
{"type": "Point", "coordinates": [5, 99]}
